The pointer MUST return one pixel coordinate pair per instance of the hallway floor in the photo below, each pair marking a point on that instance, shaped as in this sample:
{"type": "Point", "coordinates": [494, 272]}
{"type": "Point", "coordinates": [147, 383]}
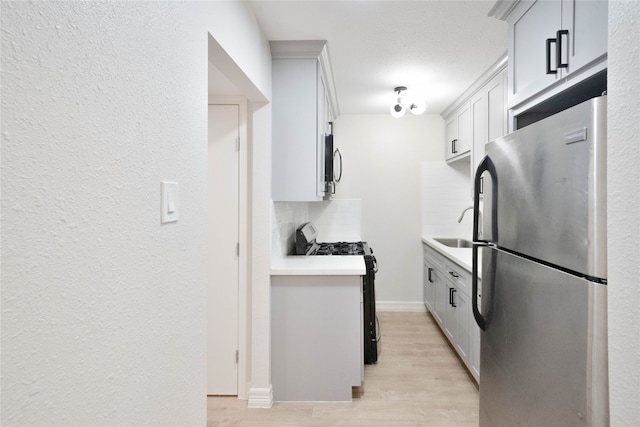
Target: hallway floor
{"type": "Point", "coordinates": [418, 381]}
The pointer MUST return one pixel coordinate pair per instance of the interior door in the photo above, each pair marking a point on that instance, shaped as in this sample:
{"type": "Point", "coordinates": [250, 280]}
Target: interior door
{"type": "Point", "coordinates": [222, 265]}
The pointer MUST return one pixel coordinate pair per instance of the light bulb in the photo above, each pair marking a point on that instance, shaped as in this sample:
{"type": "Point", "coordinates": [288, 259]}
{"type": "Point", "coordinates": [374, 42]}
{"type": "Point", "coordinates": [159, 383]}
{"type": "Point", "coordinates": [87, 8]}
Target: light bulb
{"type": "Point", "coordinates": [418, 106]}
{"type": "Point", "coordinates": [397, 110]}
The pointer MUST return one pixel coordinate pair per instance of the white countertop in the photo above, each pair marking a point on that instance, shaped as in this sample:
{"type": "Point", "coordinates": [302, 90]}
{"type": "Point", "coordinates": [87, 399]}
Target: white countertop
{"type": "Point", "coordinates": [329, 265]}
{"type": "Point", "coordinates": [461, 256]}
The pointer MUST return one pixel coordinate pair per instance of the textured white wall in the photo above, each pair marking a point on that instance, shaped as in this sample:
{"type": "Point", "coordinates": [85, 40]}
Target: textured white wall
{"type": "Point", "coordinates": [623, 214]}
{"type": "Point", "coordinates": [382, 159]}
{"type": "Point", "coordinates": [103, 308]}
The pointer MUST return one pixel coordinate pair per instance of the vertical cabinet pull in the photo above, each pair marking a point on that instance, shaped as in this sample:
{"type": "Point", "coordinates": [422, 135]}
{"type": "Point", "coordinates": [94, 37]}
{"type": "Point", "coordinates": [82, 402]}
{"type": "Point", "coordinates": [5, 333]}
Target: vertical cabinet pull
{"type": "Point", "coordinates": [453, 146]}
{"type": "Point", "coordinates": [549, 70]}
{"type": "Point", "coordinates": [452, 303]}
{"type": "Point", "coordinates": [559, 63]}
{"type": "Point", "coordinates": [429, 278]}
{"type": "Point", "coordinates": [558, 42]}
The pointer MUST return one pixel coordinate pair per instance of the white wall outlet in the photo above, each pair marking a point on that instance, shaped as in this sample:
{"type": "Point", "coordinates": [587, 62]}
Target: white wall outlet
{"type": "Point", "coordinates": [169, 202]}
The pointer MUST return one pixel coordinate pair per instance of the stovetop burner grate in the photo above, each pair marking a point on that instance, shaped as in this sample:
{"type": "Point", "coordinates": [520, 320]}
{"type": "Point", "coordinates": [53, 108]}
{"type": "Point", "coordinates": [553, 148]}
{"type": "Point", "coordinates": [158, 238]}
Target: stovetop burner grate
{"type": "Point", "coordinates": [340, 248]}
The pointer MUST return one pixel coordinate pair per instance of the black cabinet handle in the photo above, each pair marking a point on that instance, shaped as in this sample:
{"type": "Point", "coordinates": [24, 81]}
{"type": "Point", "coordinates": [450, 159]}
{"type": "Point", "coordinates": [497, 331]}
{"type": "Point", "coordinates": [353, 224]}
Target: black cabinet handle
{"type": "Point", "coordinates": [450, 296]}
{"type": "Point", "coordinates": [453, 301]}
{"type": "Point", "coordinates": [549, 70]}
{"type": "Point", "coordinates": [453, 146]}
{"type": "Point", "coordinates": [454, 274]}
{"type": "Point", "coordinates": [559, 63]}
{"type": "Point", "coordinates": [429, 278]}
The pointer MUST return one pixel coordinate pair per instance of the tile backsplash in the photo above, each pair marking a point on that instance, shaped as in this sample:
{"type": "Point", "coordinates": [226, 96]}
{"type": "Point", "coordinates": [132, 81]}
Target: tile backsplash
{"type": "Point", "coordinates": [445, 193]}
{"type": "Point", "coordinates": [336, 220]}
{"type": "Point", "coordinates": [287, 216]}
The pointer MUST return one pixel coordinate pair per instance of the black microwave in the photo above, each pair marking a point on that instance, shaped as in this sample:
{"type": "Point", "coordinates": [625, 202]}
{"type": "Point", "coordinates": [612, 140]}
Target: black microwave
{"type": "Point", "coordinates": [332, 165]}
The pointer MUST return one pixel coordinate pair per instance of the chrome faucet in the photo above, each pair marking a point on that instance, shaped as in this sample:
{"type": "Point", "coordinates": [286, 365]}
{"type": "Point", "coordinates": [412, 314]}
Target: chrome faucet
{"type": "Point", "coordinates": [463, 212]}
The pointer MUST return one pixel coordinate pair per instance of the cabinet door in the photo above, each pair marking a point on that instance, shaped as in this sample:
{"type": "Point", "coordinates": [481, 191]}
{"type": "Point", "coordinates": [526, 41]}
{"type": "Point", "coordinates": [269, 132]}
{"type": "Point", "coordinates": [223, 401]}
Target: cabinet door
{"type": "Point", "coordinates": [458, 133]}
{"type": "Point", "coordinates": [464, 131]}
{"type": "Point", "coordinates": [497, 107]}
{"type": "Point", "coordinates": [295, 147]}
{"type": "Point", "coordinates": [450, 326]}
{"type": "Point", "coordinates": [320, 132]}
{"type": "Point", "coordinates": [479, 118]}
{"type": "Point", "coordinates": [440, 299]}
{"type": "Point", "coordinates": [586, 21]}
{"type": "Point", "coordinates": [428, 285]}
{"type": "Point", "coordinates": [533, 23]}
{"type": "Point", "coordinates": [474, 348]}
{"type": "Point", "coordinates": [462, 313]}
{"type": "Point", "coordinates": [451, 135]}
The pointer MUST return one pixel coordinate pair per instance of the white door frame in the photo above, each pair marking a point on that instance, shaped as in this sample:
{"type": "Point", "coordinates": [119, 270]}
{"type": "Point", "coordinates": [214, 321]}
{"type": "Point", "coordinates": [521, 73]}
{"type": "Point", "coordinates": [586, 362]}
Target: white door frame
{"type": "Point", "coordinates": [243, 309]}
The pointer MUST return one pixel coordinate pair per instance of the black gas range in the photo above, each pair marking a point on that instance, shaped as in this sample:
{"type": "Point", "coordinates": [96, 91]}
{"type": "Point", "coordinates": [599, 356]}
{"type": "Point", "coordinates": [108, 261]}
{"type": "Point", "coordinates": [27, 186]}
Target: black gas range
{"type": "Point", "coordinates": [306, 244]}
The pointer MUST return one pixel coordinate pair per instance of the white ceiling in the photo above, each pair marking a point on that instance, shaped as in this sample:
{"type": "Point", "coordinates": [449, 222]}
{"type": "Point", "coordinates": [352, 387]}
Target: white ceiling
{"type": "Point", "coordinates": [435, 48]}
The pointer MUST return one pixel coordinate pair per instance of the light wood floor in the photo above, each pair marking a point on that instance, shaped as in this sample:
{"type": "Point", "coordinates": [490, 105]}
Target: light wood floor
{"type": "Point", "coordinates": [418, 381]}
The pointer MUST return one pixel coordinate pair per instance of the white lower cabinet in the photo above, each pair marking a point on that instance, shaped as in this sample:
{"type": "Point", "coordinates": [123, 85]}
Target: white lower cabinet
{"type": "Point", "coordinates": [316, 337]}
{"type": "Point", "coordinates": [462, 309]}
{"type": "Point", "coordinates": [447, 295]}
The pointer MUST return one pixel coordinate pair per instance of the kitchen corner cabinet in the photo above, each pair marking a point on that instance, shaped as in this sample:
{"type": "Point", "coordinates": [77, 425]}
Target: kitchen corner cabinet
{"type": "Point", "coordinates": [447, 290]}
{"type": "Point", "coordinates": [458, 134]}
{"type": "Point", "coordinates": [552, 45]}
{"type": "Point", "coordinates": [302, 107]}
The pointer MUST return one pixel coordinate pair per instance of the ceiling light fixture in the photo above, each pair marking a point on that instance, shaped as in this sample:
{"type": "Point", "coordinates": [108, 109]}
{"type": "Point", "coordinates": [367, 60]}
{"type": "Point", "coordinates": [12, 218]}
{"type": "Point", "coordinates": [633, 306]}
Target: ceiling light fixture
{"type": "Point", "coordinates": [406, 102]}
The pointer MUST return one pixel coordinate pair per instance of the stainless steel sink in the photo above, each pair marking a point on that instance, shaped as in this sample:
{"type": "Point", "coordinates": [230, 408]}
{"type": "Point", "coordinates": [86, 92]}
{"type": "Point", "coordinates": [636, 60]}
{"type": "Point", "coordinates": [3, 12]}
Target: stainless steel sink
{"type": "Point", "coordinates": [454, 243]}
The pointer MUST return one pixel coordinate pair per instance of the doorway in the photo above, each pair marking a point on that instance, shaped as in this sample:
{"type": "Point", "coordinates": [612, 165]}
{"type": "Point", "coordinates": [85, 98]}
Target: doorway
{"type": "Point", "coordinates": [229, 85]}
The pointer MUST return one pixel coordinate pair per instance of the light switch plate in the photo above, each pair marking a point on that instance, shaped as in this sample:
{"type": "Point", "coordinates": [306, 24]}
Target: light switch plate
{"type": "Point", "coordinates": [169, 202]}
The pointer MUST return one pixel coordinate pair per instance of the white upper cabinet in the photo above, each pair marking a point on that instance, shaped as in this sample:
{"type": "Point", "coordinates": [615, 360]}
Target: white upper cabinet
{"type": "Point", "coordinates": [302, 105]}
{"type": "Point", "coordinates": [477, 117]}
{"type": "Point", "coordinates": [588, 40]}
{"type": "Point", "coordinates": [552, 45]}
{"type": "Point", "coordinates": [488, 117]}
{"type": "Point", "coordinates": [458, 134]}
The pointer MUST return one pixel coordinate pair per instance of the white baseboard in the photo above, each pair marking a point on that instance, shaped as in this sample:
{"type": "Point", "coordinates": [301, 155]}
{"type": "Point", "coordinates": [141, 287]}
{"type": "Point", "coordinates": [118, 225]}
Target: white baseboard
{"type": "Point", "coordinates": [260, 397]}
{"type": "Point", "coordinates": [407, 306]}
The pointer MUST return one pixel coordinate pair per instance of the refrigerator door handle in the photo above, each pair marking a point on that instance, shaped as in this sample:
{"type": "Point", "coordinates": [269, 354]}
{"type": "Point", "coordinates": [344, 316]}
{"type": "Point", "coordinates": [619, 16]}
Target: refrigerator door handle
{"type": "Point", "coordinates": [486, 165]}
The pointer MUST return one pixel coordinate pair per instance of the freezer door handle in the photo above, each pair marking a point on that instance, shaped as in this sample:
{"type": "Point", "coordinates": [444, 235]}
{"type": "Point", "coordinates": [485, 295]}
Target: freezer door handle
{"type": "Point", "coordinates": [486, 165]}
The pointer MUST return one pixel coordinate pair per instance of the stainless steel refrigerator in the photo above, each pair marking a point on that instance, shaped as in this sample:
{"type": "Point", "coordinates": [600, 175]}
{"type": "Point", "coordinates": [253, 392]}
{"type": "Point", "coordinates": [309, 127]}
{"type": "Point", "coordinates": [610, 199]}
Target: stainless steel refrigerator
{"type": "Point", "coordinates": [542, 303]}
